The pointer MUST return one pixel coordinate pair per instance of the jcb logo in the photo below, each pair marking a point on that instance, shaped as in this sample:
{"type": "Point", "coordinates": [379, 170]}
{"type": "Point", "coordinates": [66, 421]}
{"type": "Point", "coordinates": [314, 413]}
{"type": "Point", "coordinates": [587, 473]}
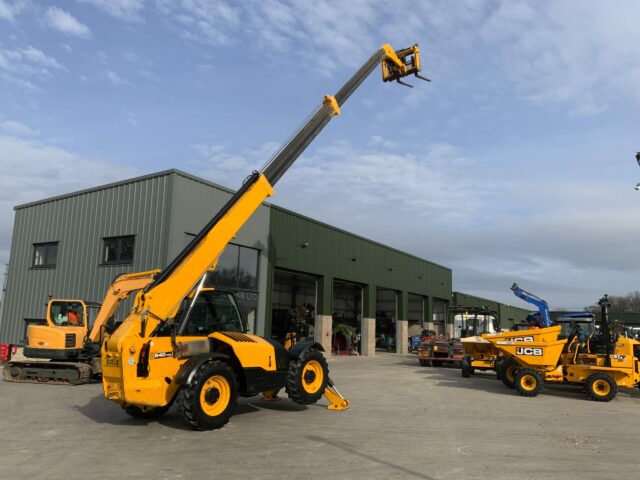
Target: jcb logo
{"type": "Point", "coordinates": [536, 352]}
{"type": "Point", "coordinates": [522, 339]}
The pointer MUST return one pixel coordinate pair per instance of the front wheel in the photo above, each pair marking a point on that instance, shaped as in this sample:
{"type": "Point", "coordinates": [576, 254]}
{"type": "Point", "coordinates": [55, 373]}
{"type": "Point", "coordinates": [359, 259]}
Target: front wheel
{"type": "Point", "coordinates": [528, 382]}
{"type": "Point", "coordinates": [208, 401]}
{"type": "Point", "coordinates": [307, 378]}
{"type": "Point", "coordinates": [601, 387]}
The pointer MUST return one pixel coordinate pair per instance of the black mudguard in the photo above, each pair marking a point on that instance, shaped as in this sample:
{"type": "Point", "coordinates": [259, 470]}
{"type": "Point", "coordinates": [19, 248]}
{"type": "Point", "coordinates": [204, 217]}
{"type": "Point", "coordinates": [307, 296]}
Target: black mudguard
{"type": "Point", "coordinates": [298, 348]}
{"type": "Point", "coordinates": [188, 369]}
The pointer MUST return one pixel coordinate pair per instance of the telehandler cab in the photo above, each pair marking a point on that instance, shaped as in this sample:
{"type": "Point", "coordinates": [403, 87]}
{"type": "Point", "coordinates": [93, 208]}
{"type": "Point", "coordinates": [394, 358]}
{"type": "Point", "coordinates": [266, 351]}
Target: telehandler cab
{"type": "Point", "coordinates": [182, 342]}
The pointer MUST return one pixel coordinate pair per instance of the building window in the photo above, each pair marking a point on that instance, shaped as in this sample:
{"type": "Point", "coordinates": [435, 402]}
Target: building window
{"type": "Point", "coordinates": [45, 255]}
{"type": "Point", "coordinates": [237, 268]}
{"type": "Point", "coordinates": [118, 250]}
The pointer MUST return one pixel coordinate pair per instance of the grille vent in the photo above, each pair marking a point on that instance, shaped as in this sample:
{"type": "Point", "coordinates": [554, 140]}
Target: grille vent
{"type": "Point", "coordinates": [238, 337]}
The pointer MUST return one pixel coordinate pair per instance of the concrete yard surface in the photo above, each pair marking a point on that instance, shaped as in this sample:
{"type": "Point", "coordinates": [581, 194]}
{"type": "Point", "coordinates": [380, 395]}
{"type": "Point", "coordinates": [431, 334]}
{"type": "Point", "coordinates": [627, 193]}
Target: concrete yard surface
{"type": "Point", "coordinates": [405, 421]}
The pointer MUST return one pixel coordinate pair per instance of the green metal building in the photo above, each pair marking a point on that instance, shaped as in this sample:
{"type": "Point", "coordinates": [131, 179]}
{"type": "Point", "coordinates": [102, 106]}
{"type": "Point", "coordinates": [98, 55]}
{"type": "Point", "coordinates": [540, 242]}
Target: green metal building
{"type": "Point", "coordinates": [282, 264]}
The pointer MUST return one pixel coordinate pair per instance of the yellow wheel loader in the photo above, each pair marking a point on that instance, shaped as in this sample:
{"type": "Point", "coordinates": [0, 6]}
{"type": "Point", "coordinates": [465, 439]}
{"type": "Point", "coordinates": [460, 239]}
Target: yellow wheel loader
{"type": "Point", "coordinates": [66, 349]}
{"type": "Point", "coordinates": [600, 361]}
{"type": "Point", "coordinates": [188, 344]}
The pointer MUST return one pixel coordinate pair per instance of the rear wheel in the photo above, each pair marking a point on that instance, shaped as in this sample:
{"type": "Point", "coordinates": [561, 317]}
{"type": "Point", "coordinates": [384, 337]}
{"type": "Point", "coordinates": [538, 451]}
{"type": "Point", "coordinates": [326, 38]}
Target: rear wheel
{"type": "Point", "coordinates": [209, 400]}
{"type": "Point", "coordinates": [601, 387]}
{"type": "Point", "coordinates": [436, 363]}
{"type": "Point", "coordinates": [507, 370]}
{"type": "Point", "coordinates": [307, 378]}
{"type": "Point", "coordinates": [425, 363]}
{"type": "Point", "coordinates": [528, 382]}
{"type": "Point", "coordinates": [146, 413]}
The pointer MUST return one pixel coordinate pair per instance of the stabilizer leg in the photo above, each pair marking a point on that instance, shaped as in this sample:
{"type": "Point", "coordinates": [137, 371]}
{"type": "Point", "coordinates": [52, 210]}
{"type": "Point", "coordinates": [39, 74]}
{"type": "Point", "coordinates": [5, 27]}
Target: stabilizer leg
{"type": "Point", "coordinates": [337, 401]}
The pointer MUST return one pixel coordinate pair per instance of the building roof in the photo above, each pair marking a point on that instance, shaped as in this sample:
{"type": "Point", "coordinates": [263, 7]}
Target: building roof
{"type": "Point", "coordinates": [174, 171]}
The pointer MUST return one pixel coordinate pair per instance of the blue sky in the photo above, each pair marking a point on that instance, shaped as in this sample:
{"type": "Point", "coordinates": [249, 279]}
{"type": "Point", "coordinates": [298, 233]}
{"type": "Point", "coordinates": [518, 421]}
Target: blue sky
{"type": "Point", "coordinates": [514, 164]}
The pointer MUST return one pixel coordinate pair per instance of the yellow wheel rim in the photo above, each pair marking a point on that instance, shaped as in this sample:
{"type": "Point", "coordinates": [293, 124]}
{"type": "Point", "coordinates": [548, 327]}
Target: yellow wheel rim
{"type": "Point", "coordinates": [312, 376]}
{"type": "Point", "coordinates": [215, 395]}
{"type": "Point", "coordinates": [601, 388]}
{"type": "Point", "coordinates": [528, 382]}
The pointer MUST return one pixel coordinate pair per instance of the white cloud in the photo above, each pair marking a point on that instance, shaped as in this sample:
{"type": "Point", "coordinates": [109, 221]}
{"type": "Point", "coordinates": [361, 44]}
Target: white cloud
{"type": "Point", "coordinates": [115, 79]}
{"type": "Point", "coordinates": [40, 58]}
{"type": "Point", "coordinates": [131, 119]}
{"type": "Point", "coordinates": [17, 128]}
{"type": "Point", "coordinates": [33, 170]}
{"type": "Point", "coordinates": [582, 54]}
{"type": "Point", "coordinates": [64, 22]}
{"type": "Point", "coordinates": [8, 11]}
{"type": "Point", "coordinates": [16, 64]}
{"type": "Point", "coordinates": [127, 10]}
{"type": "Point", "coordinates": [149, 75]}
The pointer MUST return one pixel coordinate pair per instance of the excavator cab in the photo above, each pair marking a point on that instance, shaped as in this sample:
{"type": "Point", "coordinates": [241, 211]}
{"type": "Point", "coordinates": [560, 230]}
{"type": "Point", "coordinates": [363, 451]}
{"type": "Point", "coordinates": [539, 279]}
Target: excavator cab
{"type": "Point", "coordinates": [66, 330]}
{"type": "Point", "coordinates": [402, 63]}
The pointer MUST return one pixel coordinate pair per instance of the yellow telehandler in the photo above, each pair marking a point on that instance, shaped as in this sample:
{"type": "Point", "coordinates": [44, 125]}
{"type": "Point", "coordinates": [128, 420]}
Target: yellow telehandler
{"type": "Point", "coordinates": [185, 343]}
{"type": "Point", "coordinates": [66, 349]}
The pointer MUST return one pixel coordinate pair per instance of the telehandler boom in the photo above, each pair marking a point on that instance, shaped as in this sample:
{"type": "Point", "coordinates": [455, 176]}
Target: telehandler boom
{"type": "Point", "coordinates": [67, 348]}
{"type": "Point", "coordinates": [186, 343]}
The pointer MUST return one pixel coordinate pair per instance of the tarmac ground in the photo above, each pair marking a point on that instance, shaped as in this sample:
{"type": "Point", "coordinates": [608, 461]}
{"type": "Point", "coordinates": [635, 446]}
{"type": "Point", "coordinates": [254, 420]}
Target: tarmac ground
{"type": "Point", "coordinates": [405, 421]}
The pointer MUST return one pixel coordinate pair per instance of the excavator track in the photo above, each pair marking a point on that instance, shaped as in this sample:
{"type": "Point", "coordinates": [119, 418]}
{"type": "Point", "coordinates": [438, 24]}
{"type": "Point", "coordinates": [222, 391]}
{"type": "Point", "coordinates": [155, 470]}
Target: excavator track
{"type": "Point", "coordinates": [56, 373]}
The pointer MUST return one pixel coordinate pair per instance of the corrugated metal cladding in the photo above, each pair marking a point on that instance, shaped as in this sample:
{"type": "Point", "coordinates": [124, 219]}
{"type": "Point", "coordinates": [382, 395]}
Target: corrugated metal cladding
{"type": "Point", "coordinates": [508, 314]}
{"type": "Point", "coordinates": [301, 244]}
{"type": "Point", "coordinates": [79, 222]}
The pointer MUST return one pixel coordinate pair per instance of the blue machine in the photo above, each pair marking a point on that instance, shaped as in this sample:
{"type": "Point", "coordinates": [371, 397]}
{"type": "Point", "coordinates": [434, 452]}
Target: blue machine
{"type": "Point", "coordinates": [543, 315]}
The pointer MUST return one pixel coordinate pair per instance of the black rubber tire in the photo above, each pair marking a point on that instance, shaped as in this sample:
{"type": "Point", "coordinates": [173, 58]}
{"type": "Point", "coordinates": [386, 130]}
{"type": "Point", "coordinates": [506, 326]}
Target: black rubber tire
{"type": "Point", "coordinates": [436, 363]}
{"type": "Point", "coordinates": [465, 369]}
{"type": "Point", "coordinates": [146, 414]}
{"type": "Point", "coordinates": [295, 386]}
{"type": "Point", "coordinates": [529, 383]}
{"type": "Point", "coordinates": [596, 389]}
{"type": "Point", "coordinates": [424, 363]}
{"type": "Point", "coordinates": [506, 371]}
{"type": "Point", "coordinates": [189, 397]}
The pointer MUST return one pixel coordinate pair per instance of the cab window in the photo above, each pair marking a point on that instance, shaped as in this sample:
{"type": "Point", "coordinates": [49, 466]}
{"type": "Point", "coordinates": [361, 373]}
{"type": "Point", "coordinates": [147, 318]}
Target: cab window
{"type": "Point", "coordinates": [213, 311]}
{"type": "Point", "coordinates": [67, 314]}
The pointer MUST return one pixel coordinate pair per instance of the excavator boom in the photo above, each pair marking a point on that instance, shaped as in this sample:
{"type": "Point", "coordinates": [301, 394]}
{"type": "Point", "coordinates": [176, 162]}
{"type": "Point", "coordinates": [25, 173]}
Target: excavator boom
{"type": "Point", "coordinates": [119, 290]}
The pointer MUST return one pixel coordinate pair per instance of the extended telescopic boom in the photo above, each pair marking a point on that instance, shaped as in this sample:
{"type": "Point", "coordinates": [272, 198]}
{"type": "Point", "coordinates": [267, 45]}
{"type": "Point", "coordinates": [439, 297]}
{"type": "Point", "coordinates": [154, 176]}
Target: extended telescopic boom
{"type": "Point", "coordinates": [161, 298]}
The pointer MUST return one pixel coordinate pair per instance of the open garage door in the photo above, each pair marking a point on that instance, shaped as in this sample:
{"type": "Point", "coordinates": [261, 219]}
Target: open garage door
{"type": "Point", "coordinates": [440, 316]}
{"type": "Point", "coordinates": [347, 314]}
{"type": "Point", "coordinates": [293, 299]}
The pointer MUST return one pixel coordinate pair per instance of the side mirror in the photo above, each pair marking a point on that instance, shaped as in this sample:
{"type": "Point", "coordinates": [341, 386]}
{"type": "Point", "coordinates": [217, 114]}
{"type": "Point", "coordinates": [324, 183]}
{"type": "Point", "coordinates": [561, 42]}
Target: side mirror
{"type": "Point", "coordinates": [110, 325]}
